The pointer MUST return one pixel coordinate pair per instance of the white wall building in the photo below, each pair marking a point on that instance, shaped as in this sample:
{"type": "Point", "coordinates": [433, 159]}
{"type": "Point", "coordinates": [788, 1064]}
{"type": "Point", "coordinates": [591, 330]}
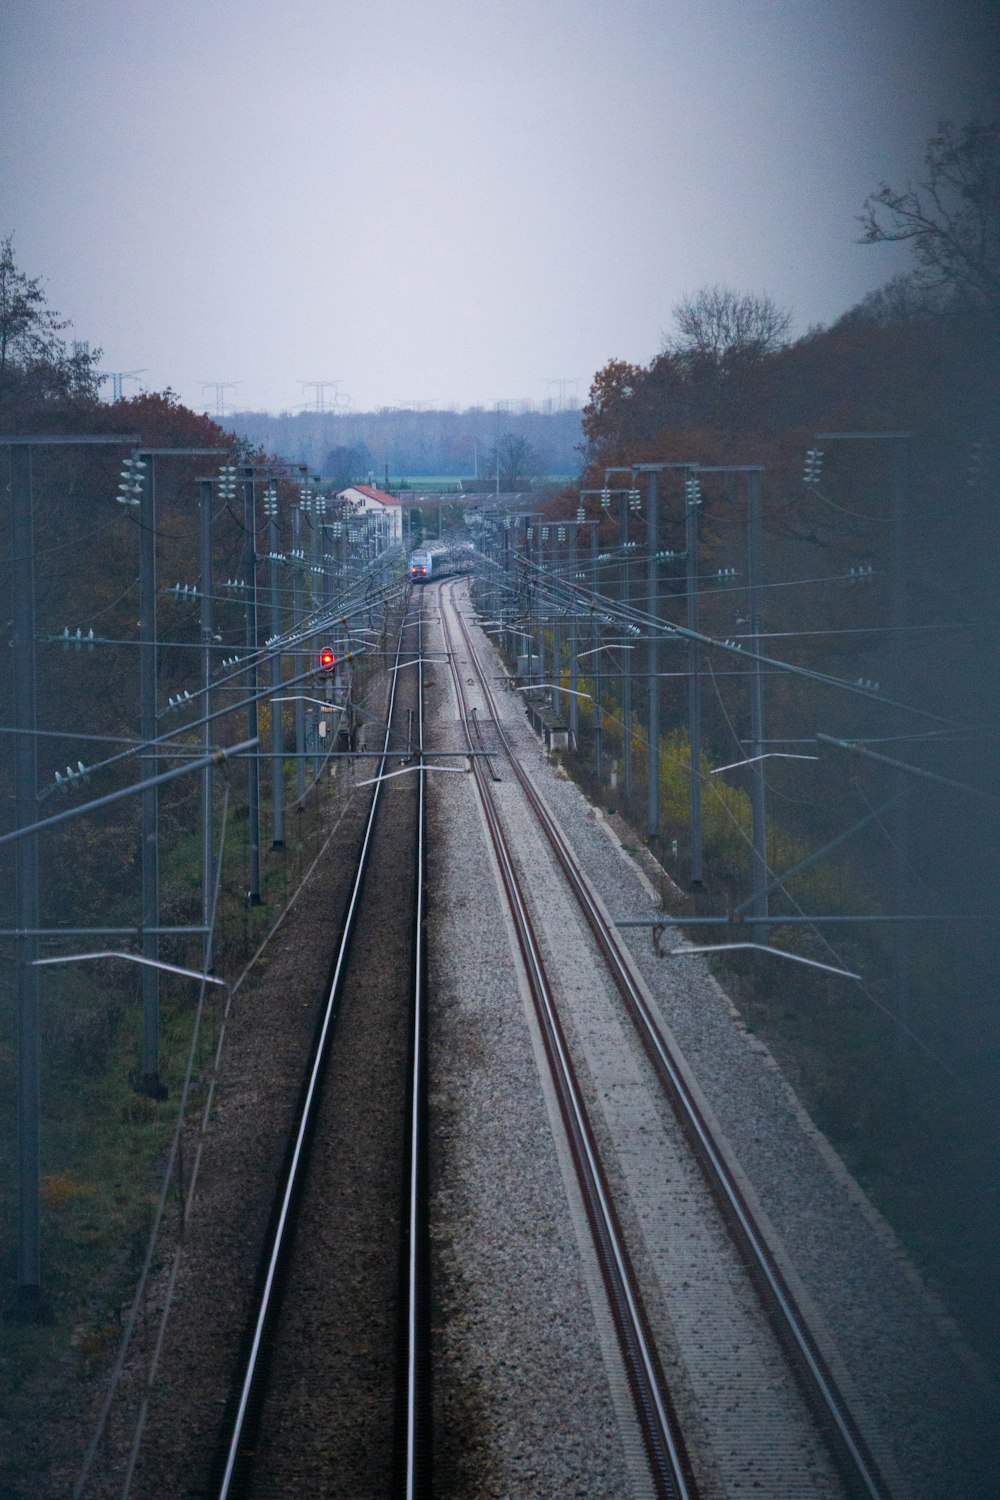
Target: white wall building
{"type": "Point", "coordinates": [365, 500]}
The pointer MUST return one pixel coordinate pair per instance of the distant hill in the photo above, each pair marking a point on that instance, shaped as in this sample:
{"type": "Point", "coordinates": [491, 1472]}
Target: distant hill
{"type": "Point", "coordinates": [410, 443]}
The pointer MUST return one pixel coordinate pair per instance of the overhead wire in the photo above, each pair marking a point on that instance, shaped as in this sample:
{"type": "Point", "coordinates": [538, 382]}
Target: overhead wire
{"type": "Point", "coordinates": [880, 1005]}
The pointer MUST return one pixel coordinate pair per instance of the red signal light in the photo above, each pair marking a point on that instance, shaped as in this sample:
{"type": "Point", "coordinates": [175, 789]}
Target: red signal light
{"type": "Point", "coordinates": [326, 659]}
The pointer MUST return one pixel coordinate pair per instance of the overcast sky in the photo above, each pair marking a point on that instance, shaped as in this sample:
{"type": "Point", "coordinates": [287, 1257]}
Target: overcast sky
{"type": "Point", "coordinates": [454, 201]}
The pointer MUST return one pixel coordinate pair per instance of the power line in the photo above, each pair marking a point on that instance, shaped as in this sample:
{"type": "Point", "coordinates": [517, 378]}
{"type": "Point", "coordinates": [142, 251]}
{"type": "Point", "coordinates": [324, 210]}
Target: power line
{"type": "Point", "coordinates": [117, 377]}
{"type": "Point", "coordinates": [220, 387]}
{"type": "Point", "coordinates": [320, 387]}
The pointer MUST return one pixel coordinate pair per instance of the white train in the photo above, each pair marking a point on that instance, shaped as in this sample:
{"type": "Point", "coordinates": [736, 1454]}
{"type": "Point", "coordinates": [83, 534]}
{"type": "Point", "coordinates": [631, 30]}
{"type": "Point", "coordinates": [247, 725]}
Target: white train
{"type": "Point", "coordinates": [440, 560]}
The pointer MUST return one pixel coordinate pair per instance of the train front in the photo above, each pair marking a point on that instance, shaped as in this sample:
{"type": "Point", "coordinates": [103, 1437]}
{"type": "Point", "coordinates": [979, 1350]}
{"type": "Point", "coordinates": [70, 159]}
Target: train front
{"type": "Point", "coordinates": [421, 567]}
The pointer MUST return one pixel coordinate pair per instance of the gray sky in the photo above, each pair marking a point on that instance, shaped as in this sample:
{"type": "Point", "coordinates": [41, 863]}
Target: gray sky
{"type": "Point", "coordinates": [453, 201]}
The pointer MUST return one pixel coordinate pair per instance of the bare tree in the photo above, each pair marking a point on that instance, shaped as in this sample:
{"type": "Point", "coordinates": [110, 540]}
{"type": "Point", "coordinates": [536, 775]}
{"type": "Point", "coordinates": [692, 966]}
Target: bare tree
{"type": "Point", "coordinates": [952, 215]}
{"type": "Point", "coordinates": [32, 354]}
{"type": "Point", "coordinates": [727, 329]}
{"type": "Point", "coordinates": [518, 461]}
{"type": "Point", "coordinates": [904, 299]}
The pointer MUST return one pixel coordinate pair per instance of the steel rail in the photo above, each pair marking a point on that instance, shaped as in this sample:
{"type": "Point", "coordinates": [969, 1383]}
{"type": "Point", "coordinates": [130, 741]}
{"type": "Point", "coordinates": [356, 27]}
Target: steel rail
{"type": "Point", "coordinates": [279, 1242]}
{"type": "Point", "coordinates": [417, 1457]}
{"type": "Point", "coordinates": [854, 1458]}
{"type": "Point", "coordinates": [669, 1464]}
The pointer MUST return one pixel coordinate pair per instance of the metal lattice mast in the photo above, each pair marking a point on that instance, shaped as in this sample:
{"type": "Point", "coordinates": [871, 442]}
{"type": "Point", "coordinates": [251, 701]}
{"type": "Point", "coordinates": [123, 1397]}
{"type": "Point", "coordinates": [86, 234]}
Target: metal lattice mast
{"type": "Point", "coordinates": [28, 1299]}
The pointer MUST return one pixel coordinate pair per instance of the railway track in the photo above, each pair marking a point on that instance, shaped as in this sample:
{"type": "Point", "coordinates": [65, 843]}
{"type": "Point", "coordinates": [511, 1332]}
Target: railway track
{"type": "Point", "coordinates": [333, 1392]}
{"type": "Point", "coordinates": [665, 1448]}
{"type": "Point", "coordinates": [667, 1457]}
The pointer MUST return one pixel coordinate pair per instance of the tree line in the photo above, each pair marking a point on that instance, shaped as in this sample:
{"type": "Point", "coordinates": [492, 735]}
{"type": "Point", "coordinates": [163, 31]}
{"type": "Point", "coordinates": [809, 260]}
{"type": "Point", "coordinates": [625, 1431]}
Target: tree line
{"type": "Point", "coordinates": [404, 443]}
{"type": "Point", "coordinates": [881, 567]}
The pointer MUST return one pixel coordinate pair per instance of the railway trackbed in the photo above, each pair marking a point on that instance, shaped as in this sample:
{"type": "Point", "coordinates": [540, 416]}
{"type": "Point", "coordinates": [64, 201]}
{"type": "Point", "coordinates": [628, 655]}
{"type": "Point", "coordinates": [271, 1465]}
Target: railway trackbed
{"type": "Point", "coordinates": [332, 1394]}
{"type": "Point", "coordinates": [706, 1326]}
{"type": "Point", "coordinates": [636, 1330]}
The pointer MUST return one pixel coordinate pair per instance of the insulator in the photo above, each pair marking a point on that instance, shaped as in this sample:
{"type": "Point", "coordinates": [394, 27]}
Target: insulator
{"type": "Point", "coordinates": [976, 463]}
{"type": "Point", "coordinates": [814, 463]}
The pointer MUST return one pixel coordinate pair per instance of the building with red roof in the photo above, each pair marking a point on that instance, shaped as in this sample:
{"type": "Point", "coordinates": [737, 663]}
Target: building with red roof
{"type": "Point", "coordinates": [366, 500]}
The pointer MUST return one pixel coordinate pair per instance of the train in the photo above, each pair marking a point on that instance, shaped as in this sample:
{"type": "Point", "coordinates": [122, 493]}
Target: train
{"type": "Point", "coordinates": [440, 560]}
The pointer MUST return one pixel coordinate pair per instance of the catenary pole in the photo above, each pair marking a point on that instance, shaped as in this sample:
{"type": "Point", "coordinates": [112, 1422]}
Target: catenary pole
{"type": "Point", "coordinates": [901, 937]}
{"type": "Point", "coordinates": [277, 745]}
{"type": "Point", "coordinates": [300, 708]}
{"type": "Point", "coordinates": [758, 881]}
{"type": "Point", "coordinates": [692, 507]}
{"type": "Point", "coordinates": [253, 761]}
{"type": "Point", "coordinates": [574, 701]}
{"type": "Point", "coordinates": [538, 553]}
{"type": "Point", "coordinates": [207, 630]}
{"type": "Point", "coordinates": [653, 605]}
{"type": "Point", "coordinates": [556, 627]}
{"type": "Point", "coordinates": [149, 801]}
{"type": "Point", "coordinates": [151, 1082]}
{"type": "Point", "coordinates": [27, 1304]}
{"type": "Point", "coordinates": [595, 641]}
{"type": "Point", "coordinates": [626, 688]}
{"type": "Point", "coordinates": [314, 597]}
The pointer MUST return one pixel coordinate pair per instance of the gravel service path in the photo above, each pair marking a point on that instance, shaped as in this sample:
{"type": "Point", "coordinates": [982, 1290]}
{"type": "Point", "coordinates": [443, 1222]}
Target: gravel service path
{"type": "Point", "coordinates": [528, 1389]}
